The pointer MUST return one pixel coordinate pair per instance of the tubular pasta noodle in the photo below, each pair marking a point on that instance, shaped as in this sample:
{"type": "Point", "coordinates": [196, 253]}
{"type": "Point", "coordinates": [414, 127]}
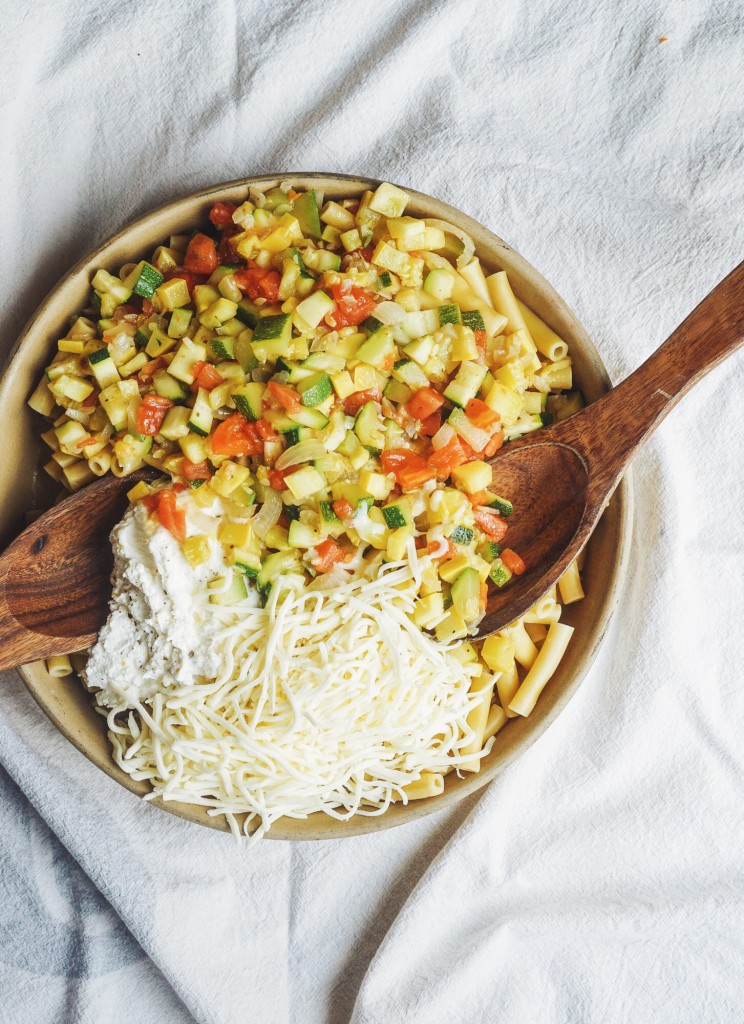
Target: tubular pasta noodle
{"type": "Point", "coordinates": [100, 463]}
{"type": "Point", "coordinates": [536, 631]}
{"type": "Point", "coordinates": [507, 685]}
{"type": "Point", "coordinates": [497, 719]}
{"type": "Point", "coordinates": [430, 784]}
{"type": "Point", "coordinates": [543, 668]}
{"type": "Point", "coordinates": [477, 719]}
{"type": "Point", "coordinates": [59, 666]}
{"type": "Point", "coordinates": [525, 651]}
{"type": "Point", "coordinates": [547, 609]}
{"type": "Point", "coordinates": [504, 302]}
{"type": "Point", "coordinates": [548, 343]}
{"type": "Point", "coordinates": [570, 584]}
{"type": "Point", "coordinates": [475, 277]}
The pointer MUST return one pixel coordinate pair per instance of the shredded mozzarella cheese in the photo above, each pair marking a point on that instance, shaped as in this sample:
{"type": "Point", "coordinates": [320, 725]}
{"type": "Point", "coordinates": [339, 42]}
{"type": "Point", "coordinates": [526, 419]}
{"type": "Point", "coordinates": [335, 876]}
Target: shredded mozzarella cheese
{"type": "Point", "coordinates": [328, 700]}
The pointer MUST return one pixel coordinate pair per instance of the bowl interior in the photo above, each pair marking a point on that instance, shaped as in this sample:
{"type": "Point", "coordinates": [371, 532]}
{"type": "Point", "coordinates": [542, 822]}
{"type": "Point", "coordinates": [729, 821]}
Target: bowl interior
{"type": "Point", "coordinates": [24, 486]}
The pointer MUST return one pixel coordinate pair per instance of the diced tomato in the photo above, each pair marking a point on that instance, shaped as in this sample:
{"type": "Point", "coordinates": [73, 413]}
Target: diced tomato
{"type": "Point", "coordinates": [235, 436]}
{"type": "Point", "coordinates": [150, 501]}
{"type": "Point", "coordinates": [170, 515]}
{"type": "Point", "coordinates": [221, 214]}
{"type": "Point", "coordinates": [424, 402]}
{"type": "Point", "coordinates": [225, 250]}
{"type": "Point", "coordinates": [513, 562]}
{"type": "Point", "coordinates": [191, 279]}
{"type": "Point", "coordinates": [410, 469]}
{"type": "Point", "coordinates": [494, 444]}
{"type": "Point", "coordinates": [490, 523]}
{"type": "Point", "coordinates": [196, 470]}
{"type": "Point", "coordinates": [483, 596]}
{"type": "Point", "coordinates": [258, 282]}
{"type": "Point", "coordinates": [329, 553]}
{"type": "Point", "coordinates": [480, 498]}
{"type": "Point", "coordinates": [453, 454]}
{"type": "Point", "coordinates": [149, 370]}
{"type": "Point", "coordinates": [205, 376]}
{"type": "Point", "coordinates": [178, 487]}
{"type": "Point", "coordinates": [286, 396]}
{"type": "Point", "coordinates": [449, 552]}
{"type": "Point", "coordinates": [480, 341]}
{"type": "Point", "coordinates": [343, 509]}
{"type": "Point", "coordinates": [354, 402]}
{"type": "Point", "coordinates": [151, 414]}
{"type": "Point", "coordinates": [147, 307]}
{"type": "Point", "coordinates": [201, 255]}
{"type": "Point", "coordinates": [265, 431]}
{"type": "Point", "coordinates": [352, 305]}
{"type": "Point", "coordinates": [480, 414]}
{"type": "Point", "coordinates": [276, 479]}
{"type": "Point", "coordinates": [91, 400]}
{"type": "Point", "coordinates": [431, 424]}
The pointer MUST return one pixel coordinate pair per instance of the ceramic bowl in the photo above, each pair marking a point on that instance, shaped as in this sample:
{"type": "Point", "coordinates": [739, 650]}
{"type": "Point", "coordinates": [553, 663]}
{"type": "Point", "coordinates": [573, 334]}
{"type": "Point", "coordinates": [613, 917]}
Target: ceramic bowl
{"type": "Point", "coordinates": [68, 704]}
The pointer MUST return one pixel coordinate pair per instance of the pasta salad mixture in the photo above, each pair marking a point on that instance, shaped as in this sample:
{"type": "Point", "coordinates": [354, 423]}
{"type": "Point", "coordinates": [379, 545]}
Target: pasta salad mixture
{"type": "Point", "coordinates": [332, 378]}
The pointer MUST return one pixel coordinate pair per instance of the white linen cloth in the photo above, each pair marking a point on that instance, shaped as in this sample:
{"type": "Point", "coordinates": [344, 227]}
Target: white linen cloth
{"type": "Point", "coordinates": [601, 878]}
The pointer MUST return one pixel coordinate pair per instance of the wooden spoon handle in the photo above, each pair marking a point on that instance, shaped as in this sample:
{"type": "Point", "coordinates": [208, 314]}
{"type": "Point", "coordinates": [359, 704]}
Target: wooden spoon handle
{"type": "Point", "coordinates": [609, 432]}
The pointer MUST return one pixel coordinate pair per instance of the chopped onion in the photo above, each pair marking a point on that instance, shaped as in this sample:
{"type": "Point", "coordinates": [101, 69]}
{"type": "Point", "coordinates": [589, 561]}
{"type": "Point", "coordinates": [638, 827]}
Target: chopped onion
{"type": "Point", "coordinates": [269, 514]}
{"type": "Point", "coordinates": [389, 313]}
{"type": "Point", "coordinates": [305, 451]}
{"type": "Point", "coordinates": [442, 437]}
{"type": "Point", "coordinates": [468, 246]}
{"type": "Point", "coordinates": [330, 580]}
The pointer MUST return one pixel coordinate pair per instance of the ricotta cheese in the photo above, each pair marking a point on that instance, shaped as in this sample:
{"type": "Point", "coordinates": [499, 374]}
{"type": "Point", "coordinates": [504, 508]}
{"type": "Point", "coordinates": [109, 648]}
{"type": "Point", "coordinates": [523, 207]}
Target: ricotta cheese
{"type": "Point", "coordinates": [160, 627]}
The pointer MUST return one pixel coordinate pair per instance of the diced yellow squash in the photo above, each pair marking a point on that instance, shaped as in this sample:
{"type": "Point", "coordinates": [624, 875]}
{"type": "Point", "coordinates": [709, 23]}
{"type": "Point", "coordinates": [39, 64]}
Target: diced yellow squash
{"type": "Point", "coordinates": [473, 476]}
{"type": "Point", "coordinates": [139, 490]}
{"type": "Point", "coordinates": [196, 550]}
{"type": "Point", "coordinates": [343, 385]}
{"type": "Point", "coordinates": [204, 295]}
{"type": "Point", "coordinates": [284, 234]}
{"type": "Point", "coordinates": [508, 404]}
{"type": "Point", "coordinates": [389, 200]}
{"type": "Point", "coordinates": [408, 232]}
{"type": "Point", "coordinates": [397, 543]}
{"type": "Point", "coordinates": [338, 217]}
{"type": "Point", "coordinates": [218, 312]}
{"type": "Point", "coordinates": [452, 627]}
{"type": "Point", "coordinates": [512, 376]}
{"type": "Point", "coordinates": [173, 294]}
{"type": "Point", "coordinates": [229, 477]}
{"type": "Point", "coordinates": [498, 653]}
{"type": "Point", "coordinates": [428, 610]}
{"type": "Point", "coordinates": [376, 484]}
{"type": "Point", "coordinates": [452, 568]}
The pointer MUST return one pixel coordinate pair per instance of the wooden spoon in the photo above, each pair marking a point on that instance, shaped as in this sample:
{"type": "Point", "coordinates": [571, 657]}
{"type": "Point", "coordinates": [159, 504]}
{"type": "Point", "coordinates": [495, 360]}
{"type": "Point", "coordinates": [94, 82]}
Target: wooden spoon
{"type": "Point", "coordinates": [54, 578]}
{"type": "Point", "coordinates": [560, 479]}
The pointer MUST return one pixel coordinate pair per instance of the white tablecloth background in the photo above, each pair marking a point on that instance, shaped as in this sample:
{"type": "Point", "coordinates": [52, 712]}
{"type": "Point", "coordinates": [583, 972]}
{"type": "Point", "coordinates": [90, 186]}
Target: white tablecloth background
{"type": "Point", "coordinates": [601, 878]}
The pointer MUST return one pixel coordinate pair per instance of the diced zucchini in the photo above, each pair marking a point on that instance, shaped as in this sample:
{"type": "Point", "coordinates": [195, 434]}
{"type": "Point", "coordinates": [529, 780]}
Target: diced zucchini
{"type": "Point", "coordinates": [301, 535]}
{"type": "Point", "coordinates": [499, 573]}
{"type": "Point", "coordinates": [179, 322]}
{"type": "Point", "coordinates": [313, 309]}
{"type": "Point", "coordinates": [449, 314]}
{"type": "Point", "coordinates": [273, 565]}
{"type": "Point", "coordinates": [324, 361]}
{"type": "Point", "coordinates": [489, 551]}
{"type": "Point", "coordinates": [395, 391]}
{"type": "Point", "coordinates": [439, 283]}
{"type": "Point", "coordinates": [106, 284]}
{"type": "Point", "coordinates": [466, 595]}
{"type": "Point", "coordinates": [398, 514]}
{"type": "Point", "coordinates": [248, 400]}
{"type": "Point", "coordinates": [420, 350]}
{"type": "Point", "coordinates": [236, 591]}
{"type": "Point", "coordinates": [420, 323]}
{"type": "Point", "coordinates": [461, 535]}
{"type": "Point", "coordinates": [115, 405]}
{"type": "Point", "coordinates": [466, 383]}
{"type": "Point", "coordinates": [309, 418]}
{"type": "Point", "coordinates": [502, 506]}
{"type": "Point", "coordinates": [277, 327]}
{"type": "Point", "coordinates": [247, 313]}
{"type": "Point", "coordinates": [368, 427]}
{"type": "Point", "coordinates": [176, 423]}
{"type": "Point", "coordinates": [408, 372]}
{"type": "Point", "coordinates": [144, 279]}
{"type": "Point", "coordinates": [305, 209]}
{"type": "Point", "coordinates": [200, 421]}
{"type": "Point", "coordinates": [473, 319]}
{"type": "Point", "coordinates": [222, 348]}
{"type": "Point", "coordinates": [315, 389]}
{"type": "Point", "coordinates": [183, 362]}
{"type": "Point", "coordinates": [475, 437]}
{"type": "Point", "coordinates": [327, 513]}
{"type": "Point", "coordinates": [103, 367]}
{"type": "Point", "coordinates": [378, 350]}
{"type": "Point", "coordinates": [158, 343]}
{"type": "Point", "coordinates": [166, 385]}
